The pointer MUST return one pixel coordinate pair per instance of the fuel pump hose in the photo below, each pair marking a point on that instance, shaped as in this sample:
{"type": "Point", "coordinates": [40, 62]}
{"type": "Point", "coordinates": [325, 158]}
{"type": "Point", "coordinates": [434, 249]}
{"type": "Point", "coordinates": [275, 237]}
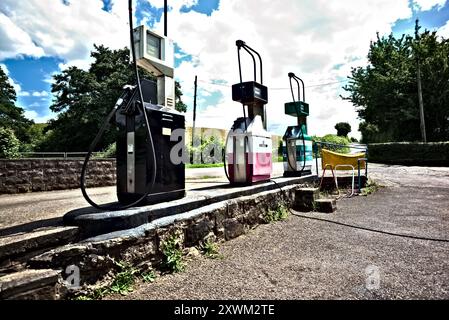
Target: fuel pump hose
{"type": "Point", "coordinates": [150, 184]}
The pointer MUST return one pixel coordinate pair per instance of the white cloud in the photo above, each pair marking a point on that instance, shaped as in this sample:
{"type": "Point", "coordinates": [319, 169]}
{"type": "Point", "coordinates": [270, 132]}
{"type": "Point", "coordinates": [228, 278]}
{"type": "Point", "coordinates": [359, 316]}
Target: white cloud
{"type": "Point", "coordinates": [310, 39]}
{"type": "Point", "coordinates": [40, 94]}
{"type": "Point", "coordinates": [24, 94]}
{"type": "Point", "coordinates": [174, 5]}
{"type": "Point", "coordinates": [33, 115]}
{"type": "Point", "coordinates": [51, 28]}
{"type": "Point", "coordinates": [426, 5]}
{"type": "Point", "coordinates": [444, 31]}
{"type": "Point", "coordinates": [14, 40]}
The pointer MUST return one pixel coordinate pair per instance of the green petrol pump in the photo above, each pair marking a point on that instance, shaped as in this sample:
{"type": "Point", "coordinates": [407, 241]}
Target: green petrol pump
{"type": "Point", "coordinates": [297, 144]}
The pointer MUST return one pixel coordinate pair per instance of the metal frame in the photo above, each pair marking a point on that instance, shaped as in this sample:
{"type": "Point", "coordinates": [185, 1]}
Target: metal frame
{"type": "Point", "coordinates": [365, 148]}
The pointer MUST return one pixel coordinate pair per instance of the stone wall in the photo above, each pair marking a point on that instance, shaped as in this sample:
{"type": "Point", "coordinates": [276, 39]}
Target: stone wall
{"type": "Point", "coordinates": [29, 175]}
{"type": "Point", "coordinates": [141, 247]}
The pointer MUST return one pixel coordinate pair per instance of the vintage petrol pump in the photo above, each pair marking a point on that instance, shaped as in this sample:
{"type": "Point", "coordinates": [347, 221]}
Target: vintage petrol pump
{"type": "Point", "coordinates": [249, 145]}
{"type": "Point", "coordinates": [150, 166]}
{"type": "Point", "coordinates": [297, 145]}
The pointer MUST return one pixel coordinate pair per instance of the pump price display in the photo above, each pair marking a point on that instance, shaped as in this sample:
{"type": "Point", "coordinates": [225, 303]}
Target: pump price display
{"type": "Point", "coordinates": [212, 311]}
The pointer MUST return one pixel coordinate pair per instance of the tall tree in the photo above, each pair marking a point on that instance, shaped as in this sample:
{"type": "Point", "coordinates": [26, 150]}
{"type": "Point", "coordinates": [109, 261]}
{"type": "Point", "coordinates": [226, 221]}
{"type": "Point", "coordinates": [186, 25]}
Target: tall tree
{"type": "Point", "coordinates": [180, 105]}
{"type": "Point", "coordinates": [12, 116]}
{"type": "Point", "coordinates": [84, 98]}
{"type": "Point", "coordinates": [343, 129]}
{"type": "Point", "coordinates": [385, 92]}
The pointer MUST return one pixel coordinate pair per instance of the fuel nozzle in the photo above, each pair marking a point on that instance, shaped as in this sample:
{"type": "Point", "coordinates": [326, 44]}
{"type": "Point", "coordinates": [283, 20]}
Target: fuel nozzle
{"type": "Point", "coordinates": [126, 103]}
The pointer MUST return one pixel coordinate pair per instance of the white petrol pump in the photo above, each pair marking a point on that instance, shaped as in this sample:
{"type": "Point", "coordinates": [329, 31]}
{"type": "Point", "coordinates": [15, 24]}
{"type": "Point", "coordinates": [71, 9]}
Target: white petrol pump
{"type": "Point", "coordinates": [248, 156]}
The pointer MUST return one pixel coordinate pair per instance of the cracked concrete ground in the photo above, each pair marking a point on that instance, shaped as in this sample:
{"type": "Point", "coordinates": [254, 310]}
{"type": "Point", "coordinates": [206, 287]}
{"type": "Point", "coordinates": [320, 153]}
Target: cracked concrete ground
{"type": "Point", "coordinates": [303, 258]}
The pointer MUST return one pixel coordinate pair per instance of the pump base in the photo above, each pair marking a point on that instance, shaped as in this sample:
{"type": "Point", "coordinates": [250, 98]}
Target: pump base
{"type": "Point", "coordinates": [290, 174]}
{"type": "Point", "coordinates": [153, 198]}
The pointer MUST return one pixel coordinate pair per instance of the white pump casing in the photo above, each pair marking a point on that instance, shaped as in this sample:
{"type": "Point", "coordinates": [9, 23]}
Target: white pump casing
{"type": "Point", "coordinates": [155, 53]}
{"type": "Point", "coordinates": [249, 153]}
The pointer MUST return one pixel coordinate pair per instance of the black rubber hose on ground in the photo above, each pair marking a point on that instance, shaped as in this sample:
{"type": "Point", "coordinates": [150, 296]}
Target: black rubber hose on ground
{"type": "Point", "coordinates": [355, 226]}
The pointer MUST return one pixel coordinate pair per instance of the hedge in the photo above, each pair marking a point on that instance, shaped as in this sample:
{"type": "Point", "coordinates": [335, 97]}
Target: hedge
{"type": "Point", "coordinates": [410, 153]}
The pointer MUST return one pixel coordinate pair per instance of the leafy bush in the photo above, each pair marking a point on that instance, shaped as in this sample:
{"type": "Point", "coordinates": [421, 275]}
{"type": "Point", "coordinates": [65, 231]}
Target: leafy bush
{"type": "Point", "coordinates": [172, 251]}
{"type": "Point", "coordinates": [343, 128]}
{"type": "Point", "coordinates": [334, 139]}
{"type": "Point", "coordinates": [124, 280]}
{"type": "Point", "coordinates": [209, 248]}
{"type": "Point", "coordinates": [410, 153]}
{"type": "Point", "coordinates": [281, 213]}
{"type": "Point", "coordinates": [205, 150]}
{"type": "Point", "coordinates": [9, 144]}
{"type": "Point", "coordinates": [109, 152]}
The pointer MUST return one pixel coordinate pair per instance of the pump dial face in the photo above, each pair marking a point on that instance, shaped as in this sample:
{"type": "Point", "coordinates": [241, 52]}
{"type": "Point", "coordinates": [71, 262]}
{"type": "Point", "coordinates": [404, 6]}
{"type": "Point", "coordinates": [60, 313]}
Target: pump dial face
{"type": "Point", "coordinates": [153, 46]}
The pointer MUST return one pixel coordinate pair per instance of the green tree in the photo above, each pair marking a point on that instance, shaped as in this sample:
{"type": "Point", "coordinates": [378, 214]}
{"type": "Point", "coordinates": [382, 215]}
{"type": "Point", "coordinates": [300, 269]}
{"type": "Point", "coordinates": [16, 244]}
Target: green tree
{"type": "Point", "coordinates": [83, 99]}
{"type": "Point", "coordinates": [9, 144]}
{"type": "Point", "coordinates": [180, 105]}
{"type": "Point", "coordinates": [334, 140]}
{"type": "Point", "coordinates": [385, 92]}
{"type": "Point", "coordinates": [343, 129]}
{"type": "Point", "coordinates": [11, 116]}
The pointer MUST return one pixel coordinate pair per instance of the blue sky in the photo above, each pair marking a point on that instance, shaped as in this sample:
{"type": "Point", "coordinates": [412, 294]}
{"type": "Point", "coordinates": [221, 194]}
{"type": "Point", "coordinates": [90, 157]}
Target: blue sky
{"type": "Point", "coordinates": [36, 43]}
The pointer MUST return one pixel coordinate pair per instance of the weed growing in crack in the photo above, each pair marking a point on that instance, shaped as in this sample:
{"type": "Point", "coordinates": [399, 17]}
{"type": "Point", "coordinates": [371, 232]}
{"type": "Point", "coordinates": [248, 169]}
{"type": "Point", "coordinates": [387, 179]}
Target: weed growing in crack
{"type": "Point", "coordinates": [281, 213]}
{"type": "Point", "coordinates": [210, 249]}
{"type": "Point", "coordinates": [124, 280]}
{"type": "Point", "coordinates": [149, 276]}
{"type": "Point", "coordinates": [172, 254]}
{"type": "Point", "coordinates": [371, 187]}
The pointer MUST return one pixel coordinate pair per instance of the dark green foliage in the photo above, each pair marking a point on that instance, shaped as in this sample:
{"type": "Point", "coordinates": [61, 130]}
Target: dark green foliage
{"type": "Point", "coordinates": [171, 250]}
{"type": "Point", "coordinates": [180, 106]}
{"type": "Point", "coordinates": [385, 92]}
{"type": "Point", "coordinates": [11, 116]}
{"type": "Point", "coordinates": [334, 139]}
{"type": "Point", "coordinates": [409, 153]}
{"type": "Point", "coordinates": [343, 128]}
{"type": "Point", "coordinates": [110, 151]}
{"type": "Point", "coordinates": [9, 144]}
{"type": "Point", "coordinates": [83, 99]}
{"type": "Point", "coordinates": [205, 148]}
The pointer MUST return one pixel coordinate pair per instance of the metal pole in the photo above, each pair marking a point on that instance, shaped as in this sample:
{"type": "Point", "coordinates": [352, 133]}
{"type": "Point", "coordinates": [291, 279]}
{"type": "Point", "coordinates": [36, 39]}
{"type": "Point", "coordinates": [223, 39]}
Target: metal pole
{"type": "Point", "coordinates": [165, 17]}
{"type": "Point", "coordinates": [421, 106]}
{"type": "Point", "coordinates": [420, 99]}
{"type": "Point", "coordinates": [194, 110]}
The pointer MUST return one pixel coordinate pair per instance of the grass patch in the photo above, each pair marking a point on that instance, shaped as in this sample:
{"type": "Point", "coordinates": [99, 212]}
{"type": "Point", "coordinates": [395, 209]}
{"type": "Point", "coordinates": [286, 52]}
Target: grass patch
{"type": "Point", "coordinates": [210, 249]}
{"type": "Point", "coordinates": [122, 284]}
{"type": "Point", "coordinates": [172, 254]}
{"type": "Point", "coordinates": [148, 277]}
{"type": "Point", "coordinates": [281, 213]}
{"type": "Point", "coordinates": [203, 165]}
{"type": "Point", "coordinates": [203, 177]}
{"type": "Point", "coordinates": [371, 187]}
{"type": "Point", "coordinates": [124, 280]}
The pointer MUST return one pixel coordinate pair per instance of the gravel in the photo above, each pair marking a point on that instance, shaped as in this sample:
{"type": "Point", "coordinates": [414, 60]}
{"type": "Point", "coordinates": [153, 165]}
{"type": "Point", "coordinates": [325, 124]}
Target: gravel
{"type": "Point", "coordinates": [308, 259]}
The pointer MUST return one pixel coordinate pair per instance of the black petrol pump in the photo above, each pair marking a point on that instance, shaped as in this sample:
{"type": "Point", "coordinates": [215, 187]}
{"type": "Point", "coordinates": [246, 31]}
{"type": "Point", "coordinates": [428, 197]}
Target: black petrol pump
{"type": "Point", "coordinates": [150, 164]}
